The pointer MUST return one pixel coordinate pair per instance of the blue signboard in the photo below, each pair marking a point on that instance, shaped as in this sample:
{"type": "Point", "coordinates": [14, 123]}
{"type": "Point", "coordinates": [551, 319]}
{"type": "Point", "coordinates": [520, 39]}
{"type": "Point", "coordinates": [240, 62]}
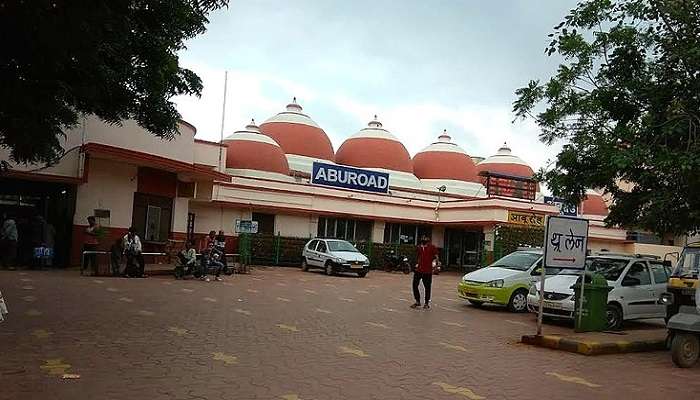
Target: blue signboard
{"type": "Point", "coordinates": [565, 208]}
{"type": "Point", "coordinates": [349, 178]}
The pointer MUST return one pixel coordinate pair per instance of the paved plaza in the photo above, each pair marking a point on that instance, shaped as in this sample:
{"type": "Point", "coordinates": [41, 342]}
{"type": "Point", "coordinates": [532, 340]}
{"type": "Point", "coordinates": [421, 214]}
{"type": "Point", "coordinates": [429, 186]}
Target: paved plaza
{"type": "Point", "coordinates": [279, 333]}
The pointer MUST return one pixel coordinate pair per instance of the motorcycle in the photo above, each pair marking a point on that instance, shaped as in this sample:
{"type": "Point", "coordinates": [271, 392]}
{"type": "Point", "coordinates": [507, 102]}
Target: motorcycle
{"type": "Point", "coordinates": [396, 262]}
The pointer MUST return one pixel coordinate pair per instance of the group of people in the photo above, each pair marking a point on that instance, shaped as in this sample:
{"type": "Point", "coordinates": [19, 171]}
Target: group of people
{"type": "Point", "coordinates": [29, 241]}
{"type": "Point", "coordinates": [213, 257]}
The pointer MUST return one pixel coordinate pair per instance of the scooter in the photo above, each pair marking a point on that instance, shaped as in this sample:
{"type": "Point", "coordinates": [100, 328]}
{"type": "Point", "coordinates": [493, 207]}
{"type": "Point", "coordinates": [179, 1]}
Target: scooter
{"type": "Point", "coordinates": [394, 261]}
{"type": "Point", "coordinates": [684, 332]}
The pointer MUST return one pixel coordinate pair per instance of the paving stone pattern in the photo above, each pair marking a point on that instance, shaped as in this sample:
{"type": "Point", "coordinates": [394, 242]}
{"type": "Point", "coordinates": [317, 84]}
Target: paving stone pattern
{"type": "Point", "coordinates": [158, 338]}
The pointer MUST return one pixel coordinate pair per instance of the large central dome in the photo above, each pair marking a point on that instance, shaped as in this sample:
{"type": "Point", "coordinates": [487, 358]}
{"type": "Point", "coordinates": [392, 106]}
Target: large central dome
{"type": "Point", "coordinates": [299, 135]}
{"type": "Point", "coordinates": [445, 160]}
{"type": "Point", "coordinates": [375, 147]}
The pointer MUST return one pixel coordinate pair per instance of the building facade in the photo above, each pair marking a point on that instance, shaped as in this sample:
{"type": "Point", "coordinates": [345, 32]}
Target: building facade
{"type": "Point", "coordinates": [171, 190]}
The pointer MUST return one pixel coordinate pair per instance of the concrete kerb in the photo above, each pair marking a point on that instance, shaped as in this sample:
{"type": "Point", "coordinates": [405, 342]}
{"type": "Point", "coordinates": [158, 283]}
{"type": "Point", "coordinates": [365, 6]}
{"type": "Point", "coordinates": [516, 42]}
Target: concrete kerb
{"type": "Point", "coordinates": [591, 348]}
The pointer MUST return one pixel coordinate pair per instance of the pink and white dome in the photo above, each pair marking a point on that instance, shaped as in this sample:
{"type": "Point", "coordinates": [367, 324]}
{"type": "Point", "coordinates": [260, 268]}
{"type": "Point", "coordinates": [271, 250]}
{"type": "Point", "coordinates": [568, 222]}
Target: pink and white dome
{"type": "Point", "coordinates": [445, 160]}
{"type": "Point", "coordinates": [249, 149]}
{"type": "Point", "coordinates": [504, 162]}
{"type": "Point", "coordinates": [298, 135]}
{"type": "Point", "coordinates": [375, 147]}
{"type": "Point", "coordinates": [594, 204]}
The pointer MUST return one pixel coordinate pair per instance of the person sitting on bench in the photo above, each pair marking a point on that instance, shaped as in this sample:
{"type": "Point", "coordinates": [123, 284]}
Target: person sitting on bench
{"type": "Point", "coordinates": [134, 252]}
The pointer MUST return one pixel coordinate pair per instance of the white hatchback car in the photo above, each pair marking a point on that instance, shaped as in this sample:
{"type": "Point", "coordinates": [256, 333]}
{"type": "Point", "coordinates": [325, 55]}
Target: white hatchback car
{"type": "Point", "coordinates": [334, 255]}
{"type": "Point", "coordinates": [636, 281]}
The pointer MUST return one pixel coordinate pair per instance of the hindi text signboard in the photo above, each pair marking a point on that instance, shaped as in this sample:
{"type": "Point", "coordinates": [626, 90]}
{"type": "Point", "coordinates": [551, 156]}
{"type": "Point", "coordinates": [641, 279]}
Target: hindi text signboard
{"type": "Point", "coordinates": [525, 218]}
{"type": "Point", "coordinates": [344, 177]}
{"type": "Point", "coordinates": [566, 242]}
{"type": "Point", "coordinates": [565, 207]}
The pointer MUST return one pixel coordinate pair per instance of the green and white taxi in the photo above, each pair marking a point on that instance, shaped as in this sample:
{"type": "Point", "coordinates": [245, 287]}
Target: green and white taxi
{"type": "Point", "coordinates": [506, 281]}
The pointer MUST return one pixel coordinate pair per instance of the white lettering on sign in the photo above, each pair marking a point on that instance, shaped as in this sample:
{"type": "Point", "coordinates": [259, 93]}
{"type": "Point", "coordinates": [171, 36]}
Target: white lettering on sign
{"type": "Point", "coordinates": [566, 242]}
{"type": "Point", "coordinates": [350, 178]}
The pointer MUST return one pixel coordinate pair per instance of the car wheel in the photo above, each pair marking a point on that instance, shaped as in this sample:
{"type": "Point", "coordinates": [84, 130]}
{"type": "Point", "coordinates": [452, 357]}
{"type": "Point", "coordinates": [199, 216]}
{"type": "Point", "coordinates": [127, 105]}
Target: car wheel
{"type": "Point", "coordinates": [476, 303]}
{"type": "Point", "coordinates": [613, 315]}
{"type": "Point", "coordinates": [362, 274]}
{"type": "Point", "coordinates": [518, 301]}
{"type": "Point", "coordinates": [304, 265]}
{"type": "Point", "coordinates": [685, 350]}
{"type": "Point", "coordinates": [329, 269]}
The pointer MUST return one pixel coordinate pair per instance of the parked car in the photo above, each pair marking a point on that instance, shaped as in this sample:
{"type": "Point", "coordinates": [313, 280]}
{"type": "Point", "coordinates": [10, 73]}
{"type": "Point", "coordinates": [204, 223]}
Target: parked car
{"type": "Point", "coordinates": [333, 256]}
{"type": "Point", "coordinates": [636, 281]}
{"type": "Point", "coordinates": [506, 281]}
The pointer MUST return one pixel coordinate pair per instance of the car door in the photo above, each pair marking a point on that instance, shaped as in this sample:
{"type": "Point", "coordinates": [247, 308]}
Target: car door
{"type": "Point", "coordinates": [321, 253]}
{"type": "Point", "coordinates": [309, 251]}
{"type": "Point", "coordinates": [660, 273]}
{"type": "Point", "coordinates": [637, 291]}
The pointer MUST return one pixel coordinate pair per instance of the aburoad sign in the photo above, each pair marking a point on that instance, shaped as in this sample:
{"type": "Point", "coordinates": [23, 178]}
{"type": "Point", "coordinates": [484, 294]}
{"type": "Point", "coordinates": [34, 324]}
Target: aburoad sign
{"type": "Point", "coordinates": [566, 242]}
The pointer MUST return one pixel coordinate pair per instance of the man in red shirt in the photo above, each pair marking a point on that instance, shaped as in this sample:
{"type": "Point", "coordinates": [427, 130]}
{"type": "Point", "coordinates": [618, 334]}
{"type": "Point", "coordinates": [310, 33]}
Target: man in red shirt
{"type": "Point", "coordinates": [426, 254]}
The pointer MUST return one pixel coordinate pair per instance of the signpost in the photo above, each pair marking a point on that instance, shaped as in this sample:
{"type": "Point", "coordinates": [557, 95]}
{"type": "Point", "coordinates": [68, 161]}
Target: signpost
{"type": "Point", "coordinates": [246, 226]}
{"type": "Point", "coordinates": [565, 246]}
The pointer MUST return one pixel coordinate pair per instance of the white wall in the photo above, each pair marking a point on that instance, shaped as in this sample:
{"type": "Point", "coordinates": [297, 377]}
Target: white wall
{"type": "Point", "coordinates": [301, 226]}
{"type": "Point", "coordinates": [181, 207]}
{"type": "Point", "coordinates": [111, 186]}
{"type": "Point", "coordinates": [209, 217]}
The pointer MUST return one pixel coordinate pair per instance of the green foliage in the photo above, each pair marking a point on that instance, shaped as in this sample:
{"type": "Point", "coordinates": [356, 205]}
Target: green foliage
{"type": "Point", "coordinates": [115, 59]}
{"type": "Point", "coordinates": [626, 104]}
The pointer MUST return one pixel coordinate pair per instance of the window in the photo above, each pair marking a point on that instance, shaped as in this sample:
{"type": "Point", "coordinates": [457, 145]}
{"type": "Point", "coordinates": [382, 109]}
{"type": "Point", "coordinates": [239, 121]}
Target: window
{"type": "Point", "coordinates": [610, 268]}
{"type": "Point", "coordinates": [266, 223]}
{"type": "Point", "coordinates": [153, 224]}
{"type": "Point", "coordinates": [312, 245]}
{"type": "Point", "coordinates": [659, 271]}
{"type": "Point", "coordinates": [346, 229]}
{"type": "Point", "coordinates": [152, 217]}
{"type": "Point", "coordinates": [638, 275]}
{"type": "Point", "coordinates": [321, 247]}
{"type": "Point", "coordinates": [405, 233]}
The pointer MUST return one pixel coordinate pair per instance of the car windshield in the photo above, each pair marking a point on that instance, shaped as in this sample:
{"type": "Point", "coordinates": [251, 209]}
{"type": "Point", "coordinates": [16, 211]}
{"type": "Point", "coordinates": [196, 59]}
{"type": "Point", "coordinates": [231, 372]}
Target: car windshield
{"type": "Point", "coordinates": [688, 263]}
{"type": "Point", "coordinates": [610, 268]}
{"type": "Point", "coordinates": [519, 260]}
{"type": "Point", "coordinates": [341, 246]}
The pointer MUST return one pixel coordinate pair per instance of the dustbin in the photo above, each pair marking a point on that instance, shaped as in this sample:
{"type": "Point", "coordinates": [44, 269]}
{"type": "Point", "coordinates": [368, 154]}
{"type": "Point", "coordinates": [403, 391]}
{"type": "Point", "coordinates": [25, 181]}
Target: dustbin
{"type": "Point", "coordinates": [595, 302]}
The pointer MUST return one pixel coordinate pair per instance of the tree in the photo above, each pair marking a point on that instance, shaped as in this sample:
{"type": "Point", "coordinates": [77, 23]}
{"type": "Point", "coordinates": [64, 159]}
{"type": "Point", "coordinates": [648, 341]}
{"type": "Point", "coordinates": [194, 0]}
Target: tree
{"type": "Point", "coordinates": [625, 102]}
{"type": "Point", "coordinates": [116, 59]}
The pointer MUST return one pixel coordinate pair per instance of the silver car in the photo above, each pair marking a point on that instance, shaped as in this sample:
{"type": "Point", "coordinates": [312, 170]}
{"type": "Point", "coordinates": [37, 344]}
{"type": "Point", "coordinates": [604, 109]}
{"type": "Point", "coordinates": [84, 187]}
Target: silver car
{"type": "Point", "coordinates": [333, 256]}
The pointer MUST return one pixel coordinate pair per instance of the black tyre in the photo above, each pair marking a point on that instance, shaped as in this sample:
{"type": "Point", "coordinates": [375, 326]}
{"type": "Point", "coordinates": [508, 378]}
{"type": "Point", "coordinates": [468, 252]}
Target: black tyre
{"type": "Point", "coordinates": [685, 350]}
{"type": "Point", "coordinates": [329, 269]}
{"type": "Point", "coordinates": [362, 274]}
{"type": "Point", "coordinates": [304, 265]}
{"type": "Point", "coordinates": [518, 301]}
{"type": "Point", "coordinates": [613, 315]}
{"type": "Point", "coordinates": [476, 303]}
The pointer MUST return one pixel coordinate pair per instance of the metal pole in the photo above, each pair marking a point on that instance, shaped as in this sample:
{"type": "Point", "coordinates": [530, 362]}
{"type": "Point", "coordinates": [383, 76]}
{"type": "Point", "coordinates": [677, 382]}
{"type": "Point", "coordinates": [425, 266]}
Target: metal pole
{"type": "Point", "coordinates": [543, 275]}
{"type": "Point", "coordinates": [583, 285]}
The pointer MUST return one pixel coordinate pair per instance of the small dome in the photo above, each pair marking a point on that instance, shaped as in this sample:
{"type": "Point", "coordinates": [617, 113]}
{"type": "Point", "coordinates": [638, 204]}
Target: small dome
{"type": "Point", "coordinates": [594, 204]}
{"type": "Point", "coordinates": [375, 147]}
{"type": "Point", "coordinates": [504, 162]}
{"type": "Point", "coordinates": [298, 134]}
{"type": "Point", "coordinates": [444, 160]}
{"type": "Point", "coordinates": [250, 149]}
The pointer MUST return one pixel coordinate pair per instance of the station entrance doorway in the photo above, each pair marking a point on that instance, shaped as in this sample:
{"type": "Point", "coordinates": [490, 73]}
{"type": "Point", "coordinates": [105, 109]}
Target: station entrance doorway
{"type": "Point", "coordinates": [43, 212]}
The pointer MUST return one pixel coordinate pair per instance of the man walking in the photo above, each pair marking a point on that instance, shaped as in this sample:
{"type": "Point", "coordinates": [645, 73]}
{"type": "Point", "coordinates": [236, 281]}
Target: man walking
{"type": "Point", "coordinates": [8, 239]}
{"type": "Point", "coordinates": [426, 254]}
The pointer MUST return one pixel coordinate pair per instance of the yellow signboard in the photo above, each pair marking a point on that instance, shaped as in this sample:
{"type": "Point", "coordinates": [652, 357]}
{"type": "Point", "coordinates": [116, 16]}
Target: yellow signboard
{"type": "Point", "coordinates": [525, 218]}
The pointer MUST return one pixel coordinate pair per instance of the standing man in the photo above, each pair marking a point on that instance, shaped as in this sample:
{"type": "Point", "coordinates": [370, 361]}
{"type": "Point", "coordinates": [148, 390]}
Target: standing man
{"type": "Point", "coordinates": [134, 252]}
{"type": "Point", "coordinates": [8, 238]}
{"type": "Point", "coordinates": [91, 242]}
{"type": "Point", "coordinates": [426, 254]}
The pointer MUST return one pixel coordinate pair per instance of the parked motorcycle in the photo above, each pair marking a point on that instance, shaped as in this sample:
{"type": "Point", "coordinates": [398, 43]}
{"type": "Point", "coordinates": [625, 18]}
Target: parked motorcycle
{"type": "Point", "coordinates": [396, 262]}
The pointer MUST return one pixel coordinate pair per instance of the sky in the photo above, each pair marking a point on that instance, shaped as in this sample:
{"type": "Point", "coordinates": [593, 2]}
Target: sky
{"type": "Point", "coordinates": [421, 66]}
